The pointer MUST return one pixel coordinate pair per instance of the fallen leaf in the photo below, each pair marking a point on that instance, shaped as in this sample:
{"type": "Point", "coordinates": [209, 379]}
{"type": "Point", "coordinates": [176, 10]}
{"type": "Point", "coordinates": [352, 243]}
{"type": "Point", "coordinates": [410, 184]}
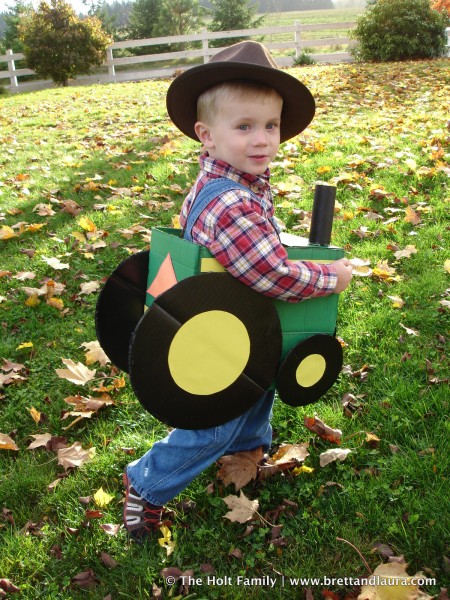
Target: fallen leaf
{"type": "Point", "coordinates": [95, 353]}
{"type": "Point", "coordinates": [102, 498]}
{"type": "Point", "coordinates": [87, 580]}
{"type": "Point", "coordinates": [7, 443]}
{"type": "Point", "coordinates": [409, 331]}
{"type": "Point", "coordinates": [325, 432]}
{"type": "Point", "coordinates": [240, 468]}
{"type": "Point", "coordinates": [74, 456]}
{"type": "Point", "coordinates": [41, 439]}
{"type": "Point", "coordinates": [55, 263]}
{"type": "Point", "coordinates": [406, 252]}
{"type": "Point", "coordinates": [411, 216]}
{"type": "Point", "coordinates": [166, 541]}
{"type": "Point", "coordinates": [110, 528]}
{"type": "Point", "coordinates": [332, 455]}
{"type": "Point", "coordinates": [390, 581]}
{"type": "Point", "coordinates": [76, 372]}
{"type": "Point", "coordinates": [397, 302]}
{"type": "Point", "coordinates": [242, 509]}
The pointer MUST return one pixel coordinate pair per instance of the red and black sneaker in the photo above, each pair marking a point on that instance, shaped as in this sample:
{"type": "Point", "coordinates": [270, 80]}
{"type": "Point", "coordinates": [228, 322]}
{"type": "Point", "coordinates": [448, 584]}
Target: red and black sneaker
{"type": "Point", "coordinates": [140, 517]}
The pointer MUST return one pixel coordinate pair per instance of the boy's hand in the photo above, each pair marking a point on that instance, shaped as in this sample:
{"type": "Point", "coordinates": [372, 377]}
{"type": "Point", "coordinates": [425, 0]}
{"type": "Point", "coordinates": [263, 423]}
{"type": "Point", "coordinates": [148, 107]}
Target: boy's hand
{"type": "Point", "coordinates": [344, 274]}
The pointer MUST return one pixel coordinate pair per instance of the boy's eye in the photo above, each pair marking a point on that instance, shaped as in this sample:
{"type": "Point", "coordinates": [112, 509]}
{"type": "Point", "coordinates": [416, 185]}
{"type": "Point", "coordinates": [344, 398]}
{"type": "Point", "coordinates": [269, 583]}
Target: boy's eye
{"type": "Point", "coordinates": [271, 125]}
{"type": "Point", "coordinates": [243, 127]}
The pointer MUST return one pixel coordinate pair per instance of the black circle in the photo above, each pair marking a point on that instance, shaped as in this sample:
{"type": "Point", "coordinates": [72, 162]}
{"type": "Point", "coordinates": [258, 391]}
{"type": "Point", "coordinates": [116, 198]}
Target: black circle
{"type": "Point", "coordinates": [120, 306]}
{"type": "Point", "coordinates": [293, 393]}
{"type": "Point", "coordinates": [149, 368]}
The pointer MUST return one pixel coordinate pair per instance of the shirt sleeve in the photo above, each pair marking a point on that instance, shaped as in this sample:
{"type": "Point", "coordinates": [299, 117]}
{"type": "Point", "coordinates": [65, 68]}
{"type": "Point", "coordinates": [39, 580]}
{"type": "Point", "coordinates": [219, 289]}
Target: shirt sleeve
{"type": "Point", "coordinates": [247, 245]}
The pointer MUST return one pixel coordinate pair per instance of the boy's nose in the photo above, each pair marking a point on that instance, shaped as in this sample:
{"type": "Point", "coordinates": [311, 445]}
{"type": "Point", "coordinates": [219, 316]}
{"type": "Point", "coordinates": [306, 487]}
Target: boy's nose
{"type": "Point", "coordinates": [260, 137]}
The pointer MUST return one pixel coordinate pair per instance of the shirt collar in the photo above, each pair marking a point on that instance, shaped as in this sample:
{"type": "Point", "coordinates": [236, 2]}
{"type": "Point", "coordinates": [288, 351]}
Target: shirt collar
{"type": "Point", "coordinates": [220, 168]}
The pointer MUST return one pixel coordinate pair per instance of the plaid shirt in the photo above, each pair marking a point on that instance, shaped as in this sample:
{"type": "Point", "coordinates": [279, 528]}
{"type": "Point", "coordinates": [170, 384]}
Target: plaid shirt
{"type": "Point", "coordinates": [238, 230]}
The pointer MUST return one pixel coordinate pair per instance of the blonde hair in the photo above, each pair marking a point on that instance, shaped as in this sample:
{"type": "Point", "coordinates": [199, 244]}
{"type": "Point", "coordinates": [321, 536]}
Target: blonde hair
{"type": "Point", "coordinates": [209, 101]}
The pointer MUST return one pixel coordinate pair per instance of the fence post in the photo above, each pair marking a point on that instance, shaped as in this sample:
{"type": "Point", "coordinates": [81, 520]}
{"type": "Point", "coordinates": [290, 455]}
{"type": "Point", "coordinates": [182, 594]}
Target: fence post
{"type": "Point", "coordinates": [297, 38]}
{"type": "Point", "coordinates": [205, 45]}
{"type": "Point", "coordinates": [12, 71]}
{"type": "Point", "coordinates": [110, 63]}
{"type": "Point", "coordinates": [447, 31]}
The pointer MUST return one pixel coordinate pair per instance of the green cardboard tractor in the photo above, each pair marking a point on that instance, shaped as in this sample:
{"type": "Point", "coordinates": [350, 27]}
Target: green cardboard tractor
{"type": "Point", "coordinates": [200, 347]}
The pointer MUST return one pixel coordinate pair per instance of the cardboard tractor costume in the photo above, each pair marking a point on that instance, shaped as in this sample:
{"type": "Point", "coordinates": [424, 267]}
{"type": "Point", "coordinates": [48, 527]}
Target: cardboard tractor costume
{"type": "Point", "coordinates": [201, 347]}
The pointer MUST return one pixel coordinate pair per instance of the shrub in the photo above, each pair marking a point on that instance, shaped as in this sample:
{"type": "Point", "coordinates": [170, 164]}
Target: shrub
{"type": "Point", "coordinates": [59, 45]}
{"type": "Point", "coordinates": [304, 58]}
{"type": "Point", "coordinates": [399, 30]}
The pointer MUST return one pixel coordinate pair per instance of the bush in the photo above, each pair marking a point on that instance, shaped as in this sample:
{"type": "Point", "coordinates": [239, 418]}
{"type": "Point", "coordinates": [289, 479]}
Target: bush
{"type": "Point", "coordinates": [399, 30]}
{"type": "Point", "coordinates": [304, 58]}
{"type": "Point", "coordinates": [59, 45]}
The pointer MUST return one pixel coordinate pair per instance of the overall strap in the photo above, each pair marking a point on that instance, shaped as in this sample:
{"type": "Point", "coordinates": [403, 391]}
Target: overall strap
{"type": "Point", "coordinates": [211, 189]}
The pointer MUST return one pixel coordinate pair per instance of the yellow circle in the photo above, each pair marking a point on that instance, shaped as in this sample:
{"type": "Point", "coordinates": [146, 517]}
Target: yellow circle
{"type": "Point", "coordinates": [310, 370]}
{"type": "Point", "coordinates": [209, 352]}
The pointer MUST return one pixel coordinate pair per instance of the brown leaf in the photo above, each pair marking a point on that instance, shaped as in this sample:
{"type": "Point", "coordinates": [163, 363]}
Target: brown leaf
{"type": "Point", "coordinates": [240, 468]}
{"type": "Point", "coordinates": [7, 443]}
{"type": "Point", "coordinates": [7, 586]}
{"type": "Point", "coordinates": [411, 216]}
{"type": "Point", "coordinates": [87, 580]}
{"type": "Point", "coordinates": [108, 560]}
{"type": "Point", "coordinates": [325, 432]}
{"type": "Point", "coordinates": [242, 509]}
{"type": "Point", "coordinates": [110, 528]}
{"type": "Point", "coordinates": [76, 372]}
{"type": "Point", "coordinates": [73, 456]}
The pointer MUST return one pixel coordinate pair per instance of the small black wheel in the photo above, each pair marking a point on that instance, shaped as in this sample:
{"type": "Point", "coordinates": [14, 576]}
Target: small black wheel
{"type": "Point", "coordinates": [205, 351]}
{"type": "Point", "coordinates": [309, 370]}
{"type": "Point", "coordinates": [120, 306]}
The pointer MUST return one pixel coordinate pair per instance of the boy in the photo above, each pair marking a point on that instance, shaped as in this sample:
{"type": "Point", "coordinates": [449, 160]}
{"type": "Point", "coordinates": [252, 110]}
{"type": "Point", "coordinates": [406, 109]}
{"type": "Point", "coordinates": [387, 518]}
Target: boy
{"type": "Point", "coordinates": [240, 107]}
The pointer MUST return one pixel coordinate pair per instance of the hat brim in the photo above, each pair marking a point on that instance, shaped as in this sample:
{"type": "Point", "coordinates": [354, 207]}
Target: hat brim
{"type": "Point", "coordinates": [298, 102]}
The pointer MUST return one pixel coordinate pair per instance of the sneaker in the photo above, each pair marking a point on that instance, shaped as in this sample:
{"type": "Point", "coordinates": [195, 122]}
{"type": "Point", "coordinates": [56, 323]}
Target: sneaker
{"type": "Point", "coordinates": [139, 516]}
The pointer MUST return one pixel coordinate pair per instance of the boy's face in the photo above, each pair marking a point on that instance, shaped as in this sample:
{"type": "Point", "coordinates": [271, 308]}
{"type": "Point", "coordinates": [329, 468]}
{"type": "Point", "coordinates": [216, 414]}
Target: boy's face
{"type": "Point", "coordinates": [244, 132]}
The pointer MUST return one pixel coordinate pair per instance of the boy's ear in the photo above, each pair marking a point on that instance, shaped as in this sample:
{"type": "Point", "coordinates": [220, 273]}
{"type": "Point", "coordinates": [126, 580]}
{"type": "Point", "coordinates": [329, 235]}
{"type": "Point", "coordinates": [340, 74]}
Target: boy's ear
{"type": "Point", "coordinates": [204, 134]}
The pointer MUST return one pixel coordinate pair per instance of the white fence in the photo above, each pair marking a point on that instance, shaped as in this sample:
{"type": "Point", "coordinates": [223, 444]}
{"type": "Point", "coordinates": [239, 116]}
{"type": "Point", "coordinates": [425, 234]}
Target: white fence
{"type": "Point", "coordinates": [118, 68]}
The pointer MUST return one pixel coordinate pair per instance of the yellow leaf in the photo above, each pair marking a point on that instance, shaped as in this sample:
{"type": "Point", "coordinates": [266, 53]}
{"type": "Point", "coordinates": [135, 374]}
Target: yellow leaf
{"type": "Point", "coordinates": [78, 236]}
{"type": "Point", "coordinates": [324, 169]}
{"type": "Point", "coordinates": [447, 265]}
{"type": "Point", "coordinates": [102, 498]}
{"type": "Point", "coordinates": [397, 302]}
{"type": "Point", "coordinates": [24, 345]}
{"type": "Point", "coordinates": [6, 233]}
{"type": "Point", "coordinates": [166, 541]}
{"type": "Point", "coordinates": [7, 443]}
{"type": "Point", "coordinates": [56, 303]}
{"type": "Point", "coordinates": [36, 415]}
{"type": "Point", "coordinates": [32, 301]}
{"type": "Point", "coordinates": [176, 222]}
{"type": "Point", "coordinates": [302, 469]}
{"type": "Point", "coordinates": [411, 164]}
{"type": "Point", "coordinates": [87, 224]}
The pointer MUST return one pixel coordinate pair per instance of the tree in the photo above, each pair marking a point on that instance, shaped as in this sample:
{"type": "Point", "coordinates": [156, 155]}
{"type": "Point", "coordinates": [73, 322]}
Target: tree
{"type": "Point", "coordinates": [178, 17]}
{"type": "Point", "coordinates": [233, 14]}
{"type": "Point", "coordinates": [399, 30]}
{"type": "Point", "coordinates": [59, 45]}
{"type": "Point", "coordinates": [143, 18]}
{"type": "Point", "coordinates": [12, 19]}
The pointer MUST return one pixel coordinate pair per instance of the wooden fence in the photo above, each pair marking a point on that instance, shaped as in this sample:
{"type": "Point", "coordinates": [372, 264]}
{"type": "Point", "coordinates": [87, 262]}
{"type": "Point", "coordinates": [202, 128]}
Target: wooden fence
{"type": "Point", "coordinates": [132, 68]}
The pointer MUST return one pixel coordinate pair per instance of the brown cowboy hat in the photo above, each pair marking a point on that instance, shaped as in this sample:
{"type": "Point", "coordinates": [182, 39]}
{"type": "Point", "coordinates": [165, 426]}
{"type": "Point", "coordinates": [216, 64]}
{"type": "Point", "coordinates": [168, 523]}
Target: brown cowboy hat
{"type": "Point", "coordinates": [246, 60]}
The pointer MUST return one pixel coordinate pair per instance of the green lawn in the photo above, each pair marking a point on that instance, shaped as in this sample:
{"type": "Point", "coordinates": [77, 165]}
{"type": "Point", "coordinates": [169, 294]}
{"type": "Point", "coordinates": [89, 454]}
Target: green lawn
{"type": "Point", "coordinates": [86, 172]}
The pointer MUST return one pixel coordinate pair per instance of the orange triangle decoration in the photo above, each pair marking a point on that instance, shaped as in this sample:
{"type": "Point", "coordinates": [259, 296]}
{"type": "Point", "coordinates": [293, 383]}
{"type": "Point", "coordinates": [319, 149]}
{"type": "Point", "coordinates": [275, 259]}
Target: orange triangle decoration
{"type": "Point", "coordinates": [164, 280]}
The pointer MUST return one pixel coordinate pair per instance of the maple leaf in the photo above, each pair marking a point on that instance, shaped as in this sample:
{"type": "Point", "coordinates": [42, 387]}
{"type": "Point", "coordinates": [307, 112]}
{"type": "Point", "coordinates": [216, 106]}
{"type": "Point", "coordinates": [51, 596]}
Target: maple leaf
{"type": "Point", "coordinates": [7, 443]}
{"type": "Point", "coordinates": [102, 498]}
{"type": "Point", "coordinates": [408, 330]}
{"type": "Point", "coordinates": [240, 468]}
{"type": "Point", "coordinates": [288, 456]}
{"type": "Point", "coordinates": [242, 509]}
{"type": "Point", "coordinates": [332, 455]}
{"type": "Point", "coordinates": [391, 581]}
{"type": "Point", "coordinates": [74, 455]}
{"type": "Point", "coordinates": [55, 263]}
{"type": "Point", "coordinates": [90, 287]}
{"type": "Point", "coordinates": [384, 272]}
{"type": "Point", "coordinates": [95, 353]}
{"type": "Point", "coordinates": [361, 267]}
{"type": "Point", "coordinates": [76, 372]}
{"type": "Point", "coordinates": [411, 216]}
{"type": "Point", "coordinates": [41, 439]}
{"type": "Point", "coordinates": [325, 432]}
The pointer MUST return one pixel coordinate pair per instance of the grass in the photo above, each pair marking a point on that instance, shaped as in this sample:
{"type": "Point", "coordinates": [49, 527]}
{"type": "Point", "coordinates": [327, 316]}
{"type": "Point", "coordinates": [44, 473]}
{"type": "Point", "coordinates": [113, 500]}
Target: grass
{"type": "Point", "coordinates": [112, 150]}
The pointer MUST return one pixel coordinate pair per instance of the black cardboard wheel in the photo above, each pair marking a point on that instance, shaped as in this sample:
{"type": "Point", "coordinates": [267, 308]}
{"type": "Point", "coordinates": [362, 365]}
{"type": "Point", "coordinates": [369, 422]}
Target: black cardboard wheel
{"type": "Point", "coordinates": [120, 306]}
{"type": "Point", "coordinates": [205, 351]}
{"type": "Point", "coordinates": [309, 370]}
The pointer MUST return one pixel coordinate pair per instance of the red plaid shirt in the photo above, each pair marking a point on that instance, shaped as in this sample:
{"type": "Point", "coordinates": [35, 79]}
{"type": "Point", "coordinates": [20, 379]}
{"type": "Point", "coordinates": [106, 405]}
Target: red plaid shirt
{"type": "Point", "coordinates": [237, 230]}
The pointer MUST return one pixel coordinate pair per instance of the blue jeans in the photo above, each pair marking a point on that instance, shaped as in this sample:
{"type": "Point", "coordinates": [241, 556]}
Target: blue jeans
{"type": "Point", "coordinates": [172, 463]}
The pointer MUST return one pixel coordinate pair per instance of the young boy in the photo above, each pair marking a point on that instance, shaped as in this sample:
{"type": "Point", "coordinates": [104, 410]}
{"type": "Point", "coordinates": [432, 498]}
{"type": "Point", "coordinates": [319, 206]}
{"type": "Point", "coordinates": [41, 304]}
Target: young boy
{"type": "Point", "coordinates": [240, 107]}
